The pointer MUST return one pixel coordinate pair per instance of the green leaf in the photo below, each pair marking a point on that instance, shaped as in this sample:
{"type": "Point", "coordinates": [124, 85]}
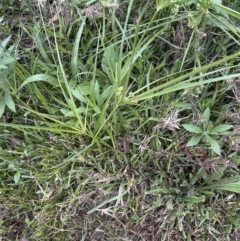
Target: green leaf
{"type": "Point", "coordinates": [2, 106]}
{"type": "Point", "coordinates": [135, 217]}
{"type": "Point", "coordinates": [194, 140]}
{"type": "Point", "coordinates": [177, 104]}
{"type": "Point", "coordinates": [206, 115]}
{"type": "Point", "coordinates": [227, 10]}
{"type": "Point", "coordinates": [232, 187]}
{"type": "Point", "coordinates": [8, 60]}
{"type": "Point", "coordinates": [40, 77]}
{"type": "Point", "coordinates": [17, 176]}
{"type": "Point", "coordinates": [117, 197]}
{"type": "Point", "coordinates": [109, 60]}
{"type": "Point", "coordinates": [207, 193]}
{"type": "Point", "coordinates": [193, 128]}
{"type": "Point", "coordinates": [4, 44]}
{"type": "Point", "coordinates": [95, 92]}
{"type": "Point", "coordinates": [82, 91]}
{"type": "Point", "coordinates": [213, 133]}
{"type": "Point", "coordinates": [3, 66]}
{"type": "Point", "coordinates": [75, 50]}
{"type": "Point", "coordinates": [221, 128]}
{"type": "Point", "coordinates": [214, 144]}
{"type": "Point", "coordinates": [194, 199]}
{"type": "Point", "coordinates": [105, 94]}
{"type": "Point", "coordinates": [40, 44]}
{"type": "Point", "coordinates": [80, 111]}
{"type": "Point", "coordinates": [9, 102]}
{"type": "Point", "coordinates": [174, 85]}
{"type": "Point", "coordinates": [77, 93]}
{"type": "Point", "coordinates": [210, 126]}
{"type": "Point", "coordinates": [228, 180]}
{"type": "Point", "coordinates": [11, 166]}
{"type": "Point", "coordinates": [161, 4]}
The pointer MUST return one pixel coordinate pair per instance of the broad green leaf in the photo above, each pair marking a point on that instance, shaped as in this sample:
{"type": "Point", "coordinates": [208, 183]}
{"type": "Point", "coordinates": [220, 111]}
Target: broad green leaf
{"type": "Point", "coordinates": [17, 176]}
{"type": "Point", "coordinates": [82, 91]}
{"type": "Point", "coordinates": [194, 199]}
{"type": "Point", "coordinates": [192, 128]}
{"type": "Point", "coordinates": [228, 180]}
{"type": "Point", "coordinates": [213, 133]}
{"type": "Point", "coordinates": [217, 9]}
{"type": "Point", "coordinates": [80, 111]}
{"type": "Point", "coordinates": [9, 102]}
{"type": "Point", "coordinates": [4, 44]}
{"type": "Point", "coordinates": [40, 77]}
{"type": "Point", "coordinates": [109, 60]}
{"type": "Point", "coordinates": [8, 60]}
{"type": "Point", "coordinates": [227, 10]}
{"type": "Point", "coordinates": [231, 187]}
{"type": "Point", "coordinates": [207, 193]}
{"type": "Point", "coordinates": [194, 140]}
{"type": "Point", "coordinates": [3, 66]}
{"type": "Point", "coordinates": [85, 88]}
{"type": "Point", "coordinates": [210, 126]}
{"type": "Point", "coordinates": [11, 166]}
{"type": "Point", "coordinates": [2, 106]}
{"type": "Point", "coordinates": [221, 128]}
{"type": "Point", "coordinates": [206, 115]}
{"type": "Point", "coordinates": [214, 145]}
{"type": "Point", "coordinates": [64, 111]}
{"type": "Point", "coordinates": [78, 95]}
{"type": "Point", "coordinates": [160, 191]}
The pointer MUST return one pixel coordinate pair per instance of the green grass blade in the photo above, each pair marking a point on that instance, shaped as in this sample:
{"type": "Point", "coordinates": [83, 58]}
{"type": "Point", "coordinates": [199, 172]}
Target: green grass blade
{"type": "Point", "coordinates": [75, 50]}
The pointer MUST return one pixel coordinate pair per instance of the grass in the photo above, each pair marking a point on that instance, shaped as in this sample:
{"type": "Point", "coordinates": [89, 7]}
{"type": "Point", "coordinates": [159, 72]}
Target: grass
{"type": "Point", "coordinates": [119, 120]}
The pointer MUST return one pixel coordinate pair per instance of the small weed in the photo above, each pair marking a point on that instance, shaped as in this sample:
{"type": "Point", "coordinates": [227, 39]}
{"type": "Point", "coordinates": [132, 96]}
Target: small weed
{"type": "Point", "coordinates": [207, 132]}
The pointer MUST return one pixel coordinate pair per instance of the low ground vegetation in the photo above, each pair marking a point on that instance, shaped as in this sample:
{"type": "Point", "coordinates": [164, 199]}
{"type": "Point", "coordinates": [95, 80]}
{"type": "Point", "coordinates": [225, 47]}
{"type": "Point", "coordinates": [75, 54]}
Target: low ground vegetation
{"type": "Point", "coordinates": [119, 120]}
